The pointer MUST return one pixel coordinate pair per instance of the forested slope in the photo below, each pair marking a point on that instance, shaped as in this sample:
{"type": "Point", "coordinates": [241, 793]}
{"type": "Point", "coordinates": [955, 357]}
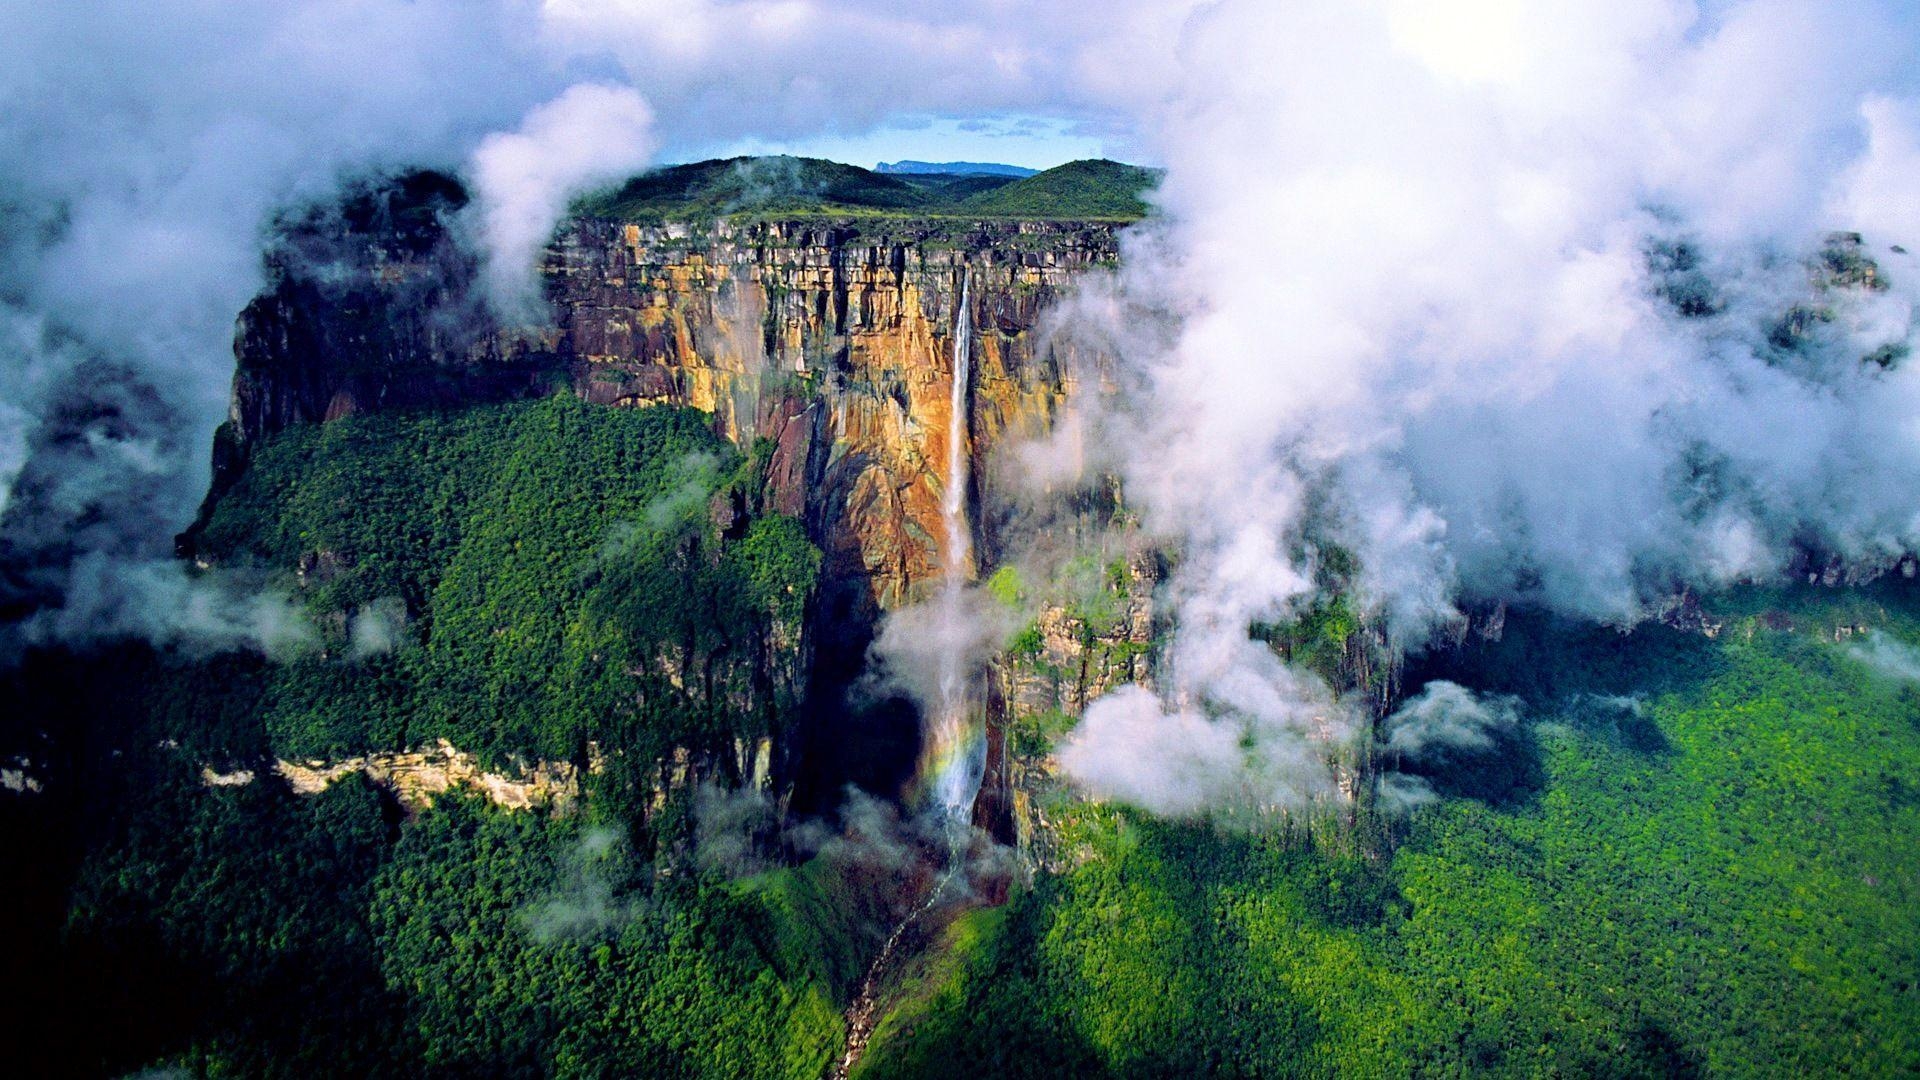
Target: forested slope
{"type": "Point", "coordinates": [1697, 858]}
{"type": "Point", "coordinates": [524, 580]}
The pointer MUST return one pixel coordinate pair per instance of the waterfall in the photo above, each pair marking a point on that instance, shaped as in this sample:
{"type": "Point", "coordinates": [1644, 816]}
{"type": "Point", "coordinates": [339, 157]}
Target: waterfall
{"type": "Point", "coordinates": [953, 756]}
{"type": "Point", "coordinates": [953, 510]}
{"type": "Point", "coordinates": [956, 746]}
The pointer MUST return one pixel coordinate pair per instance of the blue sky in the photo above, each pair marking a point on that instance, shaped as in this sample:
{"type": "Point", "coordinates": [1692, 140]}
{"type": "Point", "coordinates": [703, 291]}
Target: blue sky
{"type": "Point", "coordinates": [1037, 142]}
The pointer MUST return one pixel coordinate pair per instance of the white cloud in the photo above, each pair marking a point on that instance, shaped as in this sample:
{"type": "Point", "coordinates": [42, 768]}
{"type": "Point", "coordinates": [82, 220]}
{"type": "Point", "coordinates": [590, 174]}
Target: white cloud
{"type": "Point", "coordinates": [1889, 657]}
{"type": "Point", "coordinates": [1445, 716]}
{"type": "Point", "coordinates": [1402, 304]}
{"type": "Point", "coordinates": [591, 134]}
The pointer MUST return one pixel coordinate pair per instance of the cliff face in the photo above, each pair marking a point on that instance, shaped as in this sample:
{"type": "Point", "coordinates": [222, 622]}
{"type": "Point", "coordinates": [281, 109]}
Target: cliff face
{"type": "Point", "coordinates": [830, 346]}
{"type": "Point", "coordinates": [824, 348]}
{"type": "Point", "coordinates": [1074, 652]}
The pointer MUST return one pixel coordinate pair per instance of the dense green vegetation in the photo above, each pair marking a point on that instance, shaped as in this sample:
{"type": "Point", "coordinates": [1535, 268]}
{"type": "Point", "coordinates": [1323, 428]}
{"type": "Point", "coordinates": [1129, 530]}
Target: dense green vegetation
{"type": "Point", "coordinates": [954, 187]}
{"type": "Point", "coordinates": [1715, 871]}
{"type": "Point", "coordinates": [249, 931]}
{"type": "Point", "coordinates": [772, 185]}
{"type": "Point", "coordinates": [519, 579]}
{"type": "Point", "coordinates": [522, 580]}
{"type": "Point", "coordinates": [1083, 190]}
{"type": "Point", "coordinates": [794, 186]}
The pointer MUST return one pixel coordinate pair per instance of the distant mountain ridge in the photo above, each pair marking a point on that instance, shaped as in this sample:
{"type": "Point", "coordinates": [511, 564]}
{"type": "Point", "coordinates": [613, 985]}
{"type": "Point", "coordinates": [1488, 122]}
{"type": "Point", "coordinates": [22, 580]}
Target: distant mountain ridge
{"type": "Point", "coordinates": [1094, 190]}
{"type": "Point", "coordinates": [786, 187]}
{"type": "Point", "coordinates": [953, 168]}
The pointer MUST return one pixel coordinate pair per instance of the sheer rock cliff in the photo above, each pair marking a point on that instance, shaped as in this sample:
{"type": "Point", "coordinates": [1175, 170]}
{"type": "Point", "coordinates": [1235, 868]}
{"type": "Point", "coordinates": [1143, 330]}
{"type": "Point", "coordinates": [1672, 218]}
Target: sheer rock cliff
{"type": "Point", "coordinates": [822, 347]}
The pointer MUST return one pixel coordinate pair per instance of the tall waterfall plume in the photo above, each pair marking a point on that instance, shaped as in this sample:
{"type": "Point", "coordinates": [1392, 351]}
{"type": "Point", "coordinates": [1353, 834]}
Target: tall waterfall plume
{"type": "Point", "coordinates": [954, 758]}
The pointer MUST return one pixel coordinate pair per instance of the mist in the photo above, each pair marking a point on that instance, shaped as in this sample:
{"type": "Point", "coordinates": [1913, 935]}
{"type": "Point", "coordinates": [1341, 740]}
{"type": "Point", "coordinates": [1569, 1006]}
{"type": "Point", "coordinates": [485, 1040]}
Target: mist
{"type": "Point", "coordinates": [145, 150]}
{"type": "Point", "coordinates": [377, 628]}
{"type": "Point", "coordinates": [586, 901]}
{"type": "Point", "coordinates": [1517, 303]}
{"type": "Point", "coordinates": [1889, 658]}
{"type": "Point", "coordinates": [591, 135]}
